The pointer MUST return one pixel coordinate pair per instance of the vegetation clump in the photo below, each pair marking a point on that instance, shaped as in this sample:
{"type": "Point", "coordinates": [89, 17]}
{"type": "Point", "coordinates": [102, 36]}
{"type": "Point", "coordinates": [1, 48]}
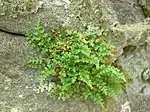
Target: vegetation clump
{"type": "Point", "coordinates": [79, 63]}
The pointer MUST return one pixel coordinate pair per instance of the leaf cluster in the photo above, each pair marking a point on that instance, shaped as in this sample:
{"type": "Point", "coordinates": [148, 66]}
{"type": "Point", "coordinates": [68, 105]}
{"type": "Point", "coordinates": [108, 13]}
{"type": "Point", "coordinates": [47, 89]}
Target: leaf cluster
{"type": "Point", "coordinates": [76, 62]}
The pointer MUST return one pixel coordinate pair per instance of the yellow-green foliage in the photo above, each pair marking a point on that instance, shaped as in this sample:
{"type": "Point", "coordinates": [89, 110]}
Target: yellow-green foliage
{"type": "Point", "coordinates": [77, 62]}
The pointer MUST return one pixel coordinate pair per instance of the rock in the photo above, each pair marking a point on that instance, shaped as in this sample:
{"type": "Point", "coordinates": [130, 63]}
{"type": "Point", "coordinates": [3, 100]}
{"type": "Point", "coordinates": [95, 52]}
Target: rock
{"type": "Point", "coordinates": [82, 13]}
{"type": "Point", "coordinates": [138, 92]}
{"type": "Point", "coordinates": [15, 110]}
{"type": "Point", "coordinates": [145, 5]}
{"type": "Point", "coordinates": [145, 75]}
{"type": "Point", "coordinates": [16, 20]}
{"type": "Point", "coordinates": [134, 34]}
{"type": "Point", "coordinates": [18, 84]}
{"type": "Point", "coordinates": [124, 11]}
{"type": "Point", "coordinates": [78, 14]}
{"type": "Point", "coordinates": [129, 36]}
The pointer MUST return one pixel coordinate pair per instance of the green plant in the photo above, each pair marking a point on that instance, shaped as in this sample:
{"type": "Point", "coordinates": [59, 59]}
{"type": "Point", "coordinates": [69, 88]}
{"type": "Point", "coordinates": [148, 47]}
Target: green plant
{"type": "Point", "coordinates": [79, 63]}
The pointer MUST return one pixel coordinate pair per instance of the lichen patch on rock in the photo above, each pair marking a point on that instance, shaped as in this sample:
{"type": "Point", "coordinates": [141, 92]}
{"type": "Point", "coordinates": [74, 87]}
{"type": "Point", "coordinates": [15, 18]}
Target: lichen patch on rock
{"type": "Point", "coordinates": [15, 8]}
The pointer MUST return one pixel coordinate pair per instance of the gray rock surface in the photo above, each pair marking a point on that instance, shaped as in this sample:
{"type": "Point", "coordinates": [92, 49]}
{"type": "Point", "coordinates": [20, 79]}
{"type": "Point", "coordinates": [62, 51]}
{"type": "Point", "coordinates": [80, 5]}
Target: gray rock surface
{"type": "Point", "coordinates": [145, 5]}
{"type": "Point", "coordinates": [137, 63]}
{"type": "Point", "coordinates": [15, 15]}
{"type": "Point", "coordinates": [19, 84]}
{"type": "Point", "coordinates": [126, 11]}
{"type": "Point", "coordinates": [53, 14]}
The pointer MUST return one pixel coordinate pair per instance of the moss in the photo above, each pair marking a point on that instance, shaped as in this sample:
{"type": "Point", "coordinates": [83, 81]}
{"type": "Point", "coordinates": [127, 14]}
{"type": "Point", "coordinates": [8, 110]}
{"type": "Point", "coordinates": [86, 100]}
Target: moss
{"type": "Point", "coordinates": [14, 8]}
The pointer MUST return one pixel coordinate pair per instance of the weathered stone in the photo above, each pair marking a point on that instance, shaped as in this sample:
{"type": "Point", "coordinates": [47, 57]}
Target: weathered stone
{"type": "Point", "coordinates": [18, 85]}
{"type": "Point", "coordinates": [83, 13]}
{"type": "Point", "coordinates": [124, 11]}
{"type": "Point", "coordinates": [13, 8]}
{"type": "Point", "coordinates": [49, 12]}
{"type": "Point", "coordinates": [76, 14]}
{"type": "Point", "coordinates": [137, 63]}
{"type": "Point", "coordinates": [123, 36]}
{"type": "Point", "coordinates": [145, 5]}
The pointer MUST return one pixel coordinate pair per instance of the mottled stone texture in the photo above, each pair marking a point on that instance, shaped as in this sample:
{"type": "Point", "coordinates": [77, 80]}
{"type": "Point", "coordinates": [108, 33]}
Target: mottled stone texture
{"type": "Point", "coordinates": [125, 11]}
{"type": "Point", "coordinates": [18, 84]}
{"type": "Point", "coordinates": [145, 5]}
{"type": "Point", "coordinates": [137, 63]}
{"type": "Point", "coordinates": [15, 15]}
{"type": "Point", "coordinates": [52, 13]}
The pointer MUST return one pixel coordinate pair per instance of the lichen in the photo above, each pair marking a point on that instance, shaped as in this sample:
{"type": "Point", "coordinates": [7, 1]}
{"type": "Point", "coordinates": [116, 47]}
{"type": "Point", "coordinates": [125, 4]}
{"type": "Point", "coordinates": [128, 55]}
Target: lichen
{"type": "Point", "coordinates": [83, 13]}
{"type": "Point", "coordinates": [14, 8]}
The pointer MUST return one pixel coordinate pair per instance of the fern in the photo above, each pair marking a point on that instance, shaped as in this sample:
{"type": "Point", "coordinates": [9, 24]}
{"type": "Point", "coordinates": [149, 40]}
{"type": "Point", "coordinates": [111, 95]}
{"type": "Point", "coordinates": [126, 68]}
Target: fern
{"type": "Point", "coordinates": [76, 62]}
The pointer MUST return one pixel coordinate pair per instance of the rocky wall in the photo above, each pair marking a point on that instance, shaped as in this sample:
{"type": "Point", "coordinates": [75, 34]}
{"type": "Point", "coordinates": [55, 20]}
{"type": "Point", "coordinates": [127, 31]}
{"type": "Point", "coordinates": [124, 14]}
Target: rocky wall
{"type": "Point", "coordinates": [129, 32]}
